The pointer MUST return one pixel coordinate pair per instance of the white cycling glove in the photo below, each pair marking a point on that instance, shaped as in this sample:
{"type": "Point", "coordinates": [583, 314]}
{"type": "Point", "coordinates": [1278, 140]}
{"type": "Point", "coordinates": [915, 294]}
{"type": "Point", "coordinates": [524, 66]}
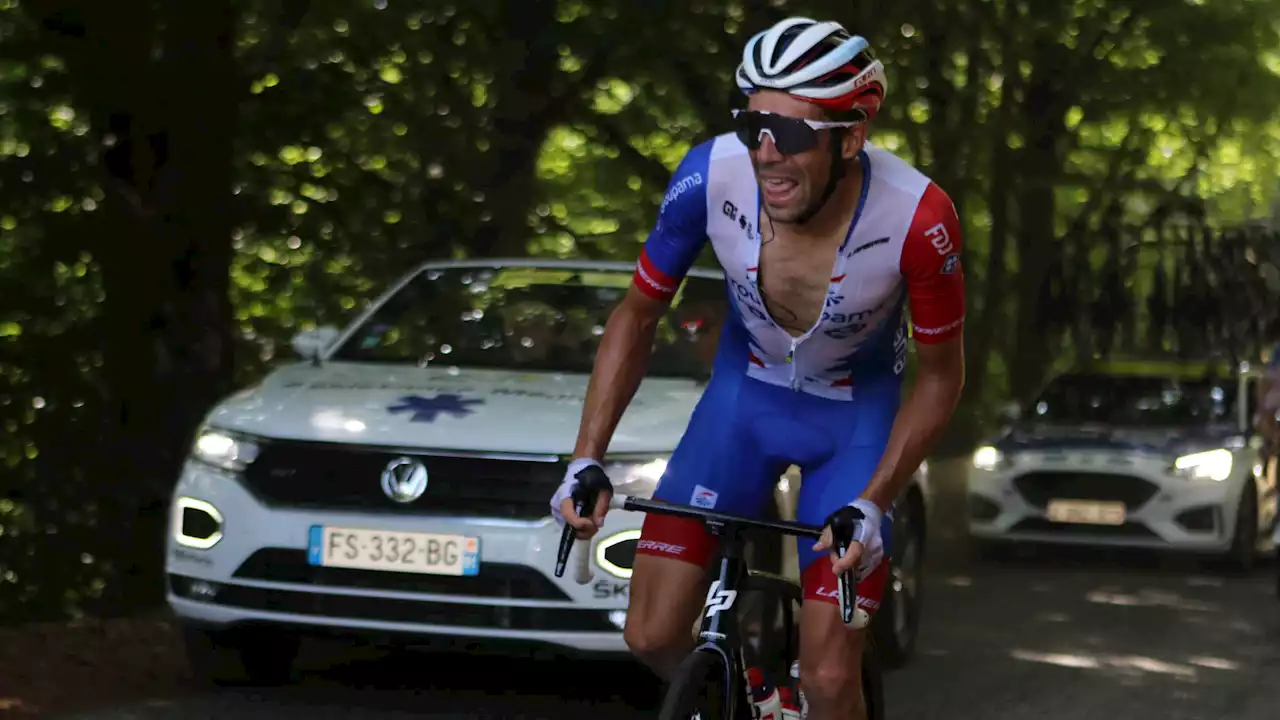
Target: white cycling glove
{"type": "Point", "coordinates": [566, 488]}
{"type": "Point", "coordinates": [867, 532]}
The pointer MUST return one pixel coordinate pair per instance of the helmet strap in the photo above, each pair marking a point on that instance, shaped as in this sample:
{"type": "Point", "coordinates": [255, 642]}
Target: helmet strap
{"type": "Point", "coordinates": [838, 170]}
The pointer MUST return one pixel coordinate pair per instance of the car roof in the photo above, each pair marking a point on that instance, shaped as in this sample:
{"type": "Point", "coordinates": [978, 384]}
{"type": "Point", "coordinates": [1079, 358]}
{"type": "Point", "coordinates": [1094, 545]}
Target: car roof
{"type": "Point", "coordinates": [607, 265]}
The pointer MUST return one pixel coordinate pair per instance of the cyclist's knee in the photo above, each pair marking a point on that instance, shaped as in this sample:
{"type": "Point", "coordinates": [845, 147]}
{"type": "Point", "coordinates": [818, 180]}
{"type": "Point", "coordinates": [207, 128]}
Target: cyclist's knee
{"type": "Point", "coordinates": [666, 595]}
{"type": "Point", "coordinates": [830, 661]}
{"type": "Point", "coordinates": [654, 637]}
{"type": "Point", "coordinates": [831, 682]}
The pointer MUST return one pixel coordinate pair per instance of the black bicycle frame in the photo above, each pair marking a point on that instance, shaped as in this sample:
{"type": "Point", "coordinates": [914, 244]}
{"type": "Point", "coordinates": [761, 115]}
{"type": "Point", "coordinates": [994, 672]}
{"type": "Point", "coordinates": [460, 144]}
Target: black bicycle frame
{"type": "Point", "coordinates": [718, 632]}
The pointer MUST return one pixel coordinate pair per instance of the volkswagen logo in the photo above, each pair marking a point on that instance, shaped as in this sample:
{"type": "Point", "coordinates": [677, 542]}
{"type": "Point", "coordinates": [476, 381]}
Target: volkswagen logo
{"type": "Point", "coordinates": [404, 480]}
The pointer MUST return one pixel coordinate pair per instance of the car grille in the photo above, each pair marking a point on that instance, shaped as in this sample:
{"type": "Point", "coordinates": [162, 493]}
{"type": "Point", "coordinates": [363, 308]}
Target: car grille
{"type": "Point", "coordinates": [1038, 488]}
{"type": "Point", "coordinates": [343, 477]}
{"type": "Point", "coordinates": [496, 580]}
{"type": "Point", "coordinates": [455, 615]}
{"type": "Point", "coordinates": [1133, 530]}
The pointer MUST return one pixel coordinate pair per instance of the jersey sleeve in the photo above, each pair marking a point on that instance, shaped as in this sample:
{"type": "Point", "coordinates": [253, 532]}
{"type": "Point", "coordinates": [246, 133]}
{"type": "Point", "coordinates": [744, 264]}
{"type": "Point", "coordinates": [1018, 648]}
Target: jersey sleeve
{"type": "Point", "coordinates": [931, 266]}
{"type": "Point", "coordinates": [681, 230]}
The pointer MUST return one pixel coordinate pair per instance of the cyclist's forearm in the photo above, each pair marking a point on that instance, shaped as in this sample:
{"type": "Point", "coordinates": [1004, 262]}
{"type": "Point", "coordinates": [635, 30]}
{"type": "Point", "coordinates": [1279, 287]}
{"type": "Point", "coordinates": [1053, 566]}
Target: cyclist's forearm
{"type": "Point", "coordinates": [921, 420]}
{"type": "Point", "coordinates": [620, 365]}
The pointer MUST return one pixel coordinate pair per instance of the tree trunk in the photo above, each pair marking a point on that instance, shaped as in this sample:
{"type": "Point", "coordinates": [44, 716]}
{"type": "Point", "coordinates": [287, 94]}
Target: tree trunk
{"type": "Point", "coordinates": [165, 255]}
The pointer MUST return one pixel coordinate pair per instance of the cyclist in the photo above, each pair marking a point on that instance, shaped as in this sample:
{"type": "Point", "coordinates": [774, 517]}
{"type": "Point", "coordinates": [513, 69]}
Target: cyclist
{"type": "Point", "coordinates": [823, 238]}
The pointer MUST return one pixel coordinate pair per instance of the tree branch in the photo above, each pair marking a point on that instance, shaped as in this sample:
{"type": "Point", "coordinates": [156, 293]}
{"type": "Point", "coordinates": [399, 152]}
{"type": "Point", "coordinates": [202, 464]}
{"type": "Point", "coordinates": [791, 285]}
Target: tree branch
{"type": "Point", "coordinates": [649, 169]}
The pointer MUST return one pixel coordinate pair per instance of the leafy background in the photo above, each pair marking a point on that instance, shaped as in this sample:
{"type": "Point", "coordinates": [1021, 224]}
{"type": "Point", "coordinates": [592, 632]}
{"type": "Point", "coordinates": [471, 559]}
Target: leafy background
{"type": "Point", "coordinates": [183, 186]}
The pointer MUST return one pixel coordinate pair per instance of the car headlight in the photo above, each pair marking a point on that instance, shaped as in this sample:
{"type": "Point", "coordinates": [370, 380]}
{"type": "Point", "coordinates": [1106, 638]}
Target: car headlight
{"type": "Point", "coordinates": [1208, 465]}
{"type": "Point", "coordinates": [987, 458]}
{"type": "Point", "coordinates": [637, 476]}
{"type": "Point", "coordinates": [224, 450]}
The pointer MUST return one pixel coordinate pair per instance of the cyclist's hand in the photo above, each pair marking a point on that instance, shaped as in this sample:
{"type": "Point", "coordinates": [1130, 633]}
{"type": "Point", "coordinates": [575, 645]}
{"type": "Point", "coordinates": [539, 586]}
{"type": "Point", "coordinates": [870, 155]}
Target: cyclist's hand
{"type": "Point", "coordinates": [562, 505]}
{"type": "Point", "coordinates": [866, 552]}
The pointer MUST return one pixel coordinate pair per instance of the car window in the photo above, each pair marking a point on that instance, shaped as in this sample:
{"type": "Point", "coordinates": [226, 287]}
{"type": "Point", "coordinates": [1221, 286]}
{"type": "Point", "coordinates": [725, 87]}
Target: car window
{"type": "Point", "coordinates": [548, 319]}
{"type": "Point", "coordinates": [1135, 400]}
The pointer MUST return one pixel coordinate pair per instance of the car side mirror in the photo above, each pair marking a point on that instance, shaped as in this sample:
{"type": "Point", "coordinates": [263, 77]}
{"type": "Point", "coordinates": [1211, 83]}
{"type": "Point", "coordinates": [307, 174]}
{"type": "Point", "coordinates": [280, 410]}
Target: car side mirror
{"type": "Point", "coordinates": [310, 344]}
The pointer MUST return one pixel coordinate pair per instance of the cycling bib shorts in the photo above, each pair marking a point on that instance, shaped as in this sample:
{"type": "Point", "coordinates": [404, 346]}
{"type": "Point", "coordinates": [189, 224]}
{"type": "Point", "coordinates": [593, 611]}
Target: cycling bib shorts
{"type": "Point", "coordinates": [826, 400]}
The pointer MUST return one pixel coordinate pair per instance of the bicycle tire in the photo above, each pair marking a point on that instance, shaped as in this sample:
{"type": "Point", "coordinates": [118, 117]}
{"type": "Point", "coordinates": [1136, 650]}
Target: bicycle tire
{"type": "Point", "coordinates": [698, 687]}
{"type": "Point", "coordinates": [872, 680]}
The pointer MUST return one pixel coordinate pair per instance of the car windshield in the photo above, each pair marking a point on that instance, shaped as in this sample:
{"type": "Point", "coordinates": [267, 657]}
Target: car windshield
{"type": "Point", "coordinates": [1135, 400]}
{"type": "Point", "coordinates": [531, 318]}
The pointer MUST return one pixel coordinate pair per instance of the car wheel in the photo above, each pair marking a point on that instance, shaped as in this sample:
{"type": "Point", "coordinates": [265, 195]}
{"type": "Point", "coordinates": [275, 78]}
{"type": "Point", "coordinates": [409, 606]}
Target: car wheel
{"type": "Point", "coordinates": [897, 623]}
{"type": "Point", "coordinates": [1244, 544]}
{"type": "Point", "coordinates": [260, 658]}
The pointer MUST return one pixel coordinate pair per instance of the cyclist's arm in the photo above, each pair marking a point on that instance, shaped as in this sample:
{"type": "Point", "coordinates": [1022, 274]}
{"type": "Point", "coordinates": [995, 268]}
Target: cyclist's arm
{"type": "Point", "coordinates": [935, 289]}
{"type": "Point", "coordinates": [624, 350]}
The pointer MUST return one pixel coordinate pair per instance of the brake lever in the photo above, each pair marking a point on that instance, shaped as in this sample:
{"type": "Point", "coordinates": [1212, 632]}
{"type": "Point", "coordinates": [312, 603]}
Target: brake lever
{"type": "Point", "coordinates": [591, 482]}
{"type": "Point", "coordinates": [843, 523]}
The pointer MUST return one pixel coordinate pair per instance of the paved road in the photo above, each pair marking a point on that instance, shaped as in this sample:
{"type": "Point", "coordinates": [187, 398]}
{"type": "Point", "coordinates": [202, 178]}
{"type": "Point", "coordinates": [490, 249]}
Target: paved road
{"type": "Point", "coordinates": [1056, 636]}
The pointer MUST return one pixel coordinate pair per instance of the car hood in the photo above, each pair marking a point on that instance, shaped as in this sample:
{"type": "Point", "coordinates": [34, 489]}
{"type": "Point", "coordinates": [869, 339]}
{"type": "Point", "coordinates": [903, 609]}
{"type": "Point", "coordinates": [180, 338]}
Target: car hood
{"type": "Point", "coordinates": [1104, 437]}
{"type": "Point", "coordinates": [444, 408]}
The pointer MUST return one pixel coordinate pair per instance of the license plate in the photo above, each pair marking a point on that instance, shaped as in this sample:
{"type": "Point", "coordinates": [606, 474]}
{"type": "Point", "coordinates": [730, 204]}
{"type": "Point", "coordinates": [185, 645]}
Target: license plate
{"type": "Point", "coordinates": [410, 552]}
{"type": "Point", "coordinates": [1086, 512]}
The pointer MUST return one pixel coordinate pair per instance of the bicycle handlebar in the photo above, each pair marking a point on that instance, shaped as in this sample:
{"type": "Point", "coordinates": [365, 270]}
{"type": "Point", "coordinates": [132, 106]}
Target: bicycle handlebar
{"type": "Point", "coordinates": [592, 481]}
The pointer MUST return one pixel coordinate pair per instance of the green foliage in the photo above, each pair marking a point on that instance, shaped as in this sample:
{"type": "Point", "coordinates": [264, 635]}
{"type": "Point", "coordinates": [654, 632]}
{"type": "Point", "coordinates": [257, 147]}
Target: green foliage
{"type": "Point", "coordinates": [377, 134]}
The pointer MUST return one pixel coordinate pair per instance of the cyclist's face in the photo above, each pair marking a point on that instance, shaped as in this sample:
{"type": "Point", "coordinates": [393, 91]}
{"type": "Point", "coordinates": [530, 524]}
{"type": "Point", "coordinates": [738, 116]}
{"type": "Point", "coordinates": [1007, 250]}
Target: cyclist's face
{"type": "Point", "coordinates": [790, 183]}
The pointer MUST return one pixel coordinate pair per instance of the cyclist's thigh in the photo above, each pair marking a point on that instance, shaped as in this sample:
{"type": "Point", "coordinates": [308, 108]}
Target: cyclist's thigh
{"type": "Point", "coordinates": [837, 482]}
{"type": "Point", "coordinates": [718, 464]}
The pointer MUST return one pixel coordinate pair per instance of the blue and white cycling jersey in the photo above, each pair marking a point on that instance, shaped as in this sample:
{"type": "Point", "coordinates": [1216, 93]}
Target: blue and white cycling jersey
{"type": "Point", "coordinates": [904, 242]}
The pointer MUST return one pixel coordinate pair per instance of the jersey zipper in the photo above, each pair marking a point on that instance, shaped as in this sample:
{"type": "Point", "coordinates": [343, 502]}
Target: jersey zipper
{"type": "Point", "coordinates": [791, 359]}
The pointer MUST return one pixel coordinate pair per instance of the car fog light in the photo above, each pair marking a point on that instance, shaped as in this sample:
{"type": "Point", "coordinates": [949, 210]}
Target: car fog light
{"type": "Point", "coordinates": [196, 523]}
{"type": "Point", "coordinates": [616, 554]}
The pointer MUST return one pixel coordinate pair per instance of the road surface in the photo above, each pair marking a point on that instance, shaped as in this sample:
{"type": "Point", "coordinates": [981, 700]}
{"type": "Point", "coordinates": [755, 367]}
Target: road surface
{"type": "Point", "coordinates": [1054, 636]}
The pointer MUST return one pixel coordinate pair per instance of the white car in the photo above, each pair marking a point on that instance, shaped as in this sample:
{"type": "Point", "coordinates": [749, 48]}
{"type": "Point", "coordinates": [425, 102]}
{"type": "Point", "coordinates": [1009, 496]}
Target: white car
{"type": "Point", "coordinates": [396, 483]}
{"type": "Point", "coordinates": [1131, 454]}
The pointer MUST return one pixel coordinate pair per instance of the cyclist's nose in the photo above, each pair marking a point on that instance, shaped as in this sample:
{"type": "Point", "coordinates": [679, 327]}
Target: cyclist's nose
{"type": "Point", "coordinates": [768, 152]}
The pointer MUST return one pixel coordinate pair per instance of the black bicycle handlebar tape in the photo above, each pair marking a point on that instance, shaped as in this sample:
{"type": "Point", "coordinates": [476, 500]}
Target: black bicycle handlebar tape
{"type": "Point", "coordinates": [591, 482]}
{"type": "Point", "coordinates": [844, 525]}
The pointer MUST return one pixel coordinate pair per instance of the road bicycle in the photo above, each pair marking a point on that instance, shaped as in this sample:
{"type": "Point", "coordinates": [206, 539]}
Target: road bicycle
{"type": "Point", "coordinates": [710, 683]}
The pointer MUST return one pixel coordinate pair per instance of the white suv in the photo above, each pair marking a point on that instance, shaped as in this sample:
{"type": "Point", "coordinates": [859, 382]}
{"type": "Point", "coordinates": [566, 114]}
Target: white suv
{"type": "Point", "coordinates": [396, 482]}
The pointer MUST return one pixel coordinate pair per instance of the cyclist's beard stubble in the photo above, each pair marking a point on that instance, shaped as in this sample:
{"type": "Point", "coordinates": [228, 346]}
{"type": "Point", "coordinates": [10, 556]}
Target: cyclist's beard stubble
{"type": "Point", "coordinates": [785, 192]}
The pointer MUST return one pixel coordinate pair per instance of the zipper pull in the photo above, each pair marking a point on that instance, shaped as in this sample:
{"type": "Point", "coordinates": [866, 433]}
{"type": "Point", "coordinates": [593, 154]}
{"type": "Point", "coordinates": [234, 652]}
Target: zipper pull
{"type": "Point", "coordinates": [791, 358]}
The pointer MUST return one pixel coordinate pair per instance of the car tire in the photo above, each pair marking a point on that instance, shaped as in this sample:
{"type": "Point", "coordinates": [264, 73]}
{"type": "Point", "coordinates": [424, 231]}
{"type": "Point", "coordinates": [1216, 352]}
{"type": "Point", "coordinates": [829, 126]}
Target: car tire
{"type": "Point", "coordinates": [260, 658]}
{"type": "Point", "coordinates": [1244, 543]}
{"type": "Point", "coordinates": [897, 622]}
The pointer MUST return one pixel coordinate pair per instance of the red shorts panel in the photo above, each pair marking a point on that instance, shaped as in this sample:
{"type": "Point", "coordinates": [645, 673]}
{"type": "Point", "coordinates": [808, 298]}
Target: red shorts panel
{"type": "Point", "coordinates": [688, 540]}
{"type": "Point", "coordinates": [820, 584]}
{"type": "Point", "coordinates": [678, 538]}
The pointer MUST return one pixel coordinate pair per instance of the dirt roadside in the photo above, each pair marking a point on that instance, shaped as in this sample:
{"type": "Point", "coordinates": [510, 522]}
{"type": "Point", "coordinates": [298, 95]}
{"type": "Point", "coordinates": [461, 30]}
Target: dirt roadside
{"type": "Point", "coordinates": [49, 669]}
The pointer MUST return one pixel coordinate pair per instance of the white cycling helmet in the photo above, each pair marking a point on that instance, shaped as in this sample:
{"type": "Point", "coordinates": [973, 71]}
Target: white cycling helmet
{"type": "Point", "coordinates": [819, 62]}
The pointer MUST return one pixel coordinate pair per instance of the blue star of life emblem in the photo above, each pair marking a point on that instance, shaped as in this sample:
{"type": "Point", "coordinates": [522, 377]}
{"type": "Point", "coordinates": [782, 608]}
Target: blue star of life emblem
{"type": "Point", "coordinates": [425, 409]}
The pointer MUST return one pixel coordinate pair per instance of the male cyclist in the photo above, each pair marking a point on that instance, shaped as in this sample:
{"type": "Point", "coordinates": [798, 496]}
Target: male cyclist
{"type": "Point", "coordinates": [823, 238]}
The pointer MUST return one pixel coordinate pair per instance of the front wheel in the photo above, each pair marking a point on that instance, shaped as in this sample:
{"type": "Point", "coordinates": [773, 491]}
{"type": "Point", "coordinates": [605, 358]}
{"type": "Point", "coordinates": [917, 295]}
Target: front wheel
{"type": "Point", "coordinates": [700, 690]}
{"type": "Point", "coordinates": [897, 623]}
{"type": "Point", "coordinates": [872, 682]}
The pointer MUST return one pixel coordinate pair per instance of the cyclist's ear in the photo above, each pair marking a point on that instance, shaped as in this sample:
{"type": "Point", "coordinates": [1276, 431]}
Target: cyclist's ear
{"type": "Point", "coordinates": [852, 141]}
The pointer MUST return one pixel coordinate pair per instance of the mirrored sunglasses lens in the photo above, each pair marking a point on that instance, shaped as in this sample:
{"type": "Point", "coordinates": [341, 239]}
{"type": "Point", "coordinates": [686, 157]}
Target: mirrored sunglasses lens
{"type": "Point", "coordinates": [792, 136]}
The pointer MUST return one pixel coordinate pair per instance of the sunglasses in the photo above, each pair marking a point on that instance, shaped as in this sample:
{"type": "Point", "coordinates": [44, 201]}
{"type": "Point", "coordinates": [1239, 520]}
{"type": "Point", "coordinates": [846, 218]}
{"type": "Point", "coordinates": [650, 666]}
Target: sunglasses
{"type": "Point", "coordinates": [791, 136]}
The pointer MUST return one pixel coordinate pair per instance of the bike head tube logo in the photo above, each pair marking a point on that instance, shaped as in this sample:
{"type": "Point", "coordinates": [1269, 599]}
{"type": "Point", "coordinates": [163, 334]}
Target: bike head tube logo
{"type": "Point", "coordinates": [404, 479]}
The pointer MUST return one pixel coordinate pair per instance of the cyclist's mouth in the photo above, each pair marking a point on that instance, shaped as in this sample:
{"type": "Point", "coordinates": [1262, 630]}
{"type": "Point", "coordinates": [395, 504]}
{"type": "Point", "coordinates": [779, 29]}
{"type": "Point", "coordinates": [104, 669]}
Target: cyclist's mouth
{"type": "Point", "coordinates": [779, 190]}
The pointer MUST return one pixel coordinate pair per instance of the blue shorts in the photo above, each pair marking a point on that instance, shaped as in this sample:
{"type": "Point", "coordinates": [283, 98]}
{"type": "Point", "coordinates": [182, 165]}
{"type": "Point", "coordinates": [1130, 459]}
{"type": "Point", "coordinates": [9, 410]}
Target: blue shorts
{"type": "Point", "coordinates": [743, 435]}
